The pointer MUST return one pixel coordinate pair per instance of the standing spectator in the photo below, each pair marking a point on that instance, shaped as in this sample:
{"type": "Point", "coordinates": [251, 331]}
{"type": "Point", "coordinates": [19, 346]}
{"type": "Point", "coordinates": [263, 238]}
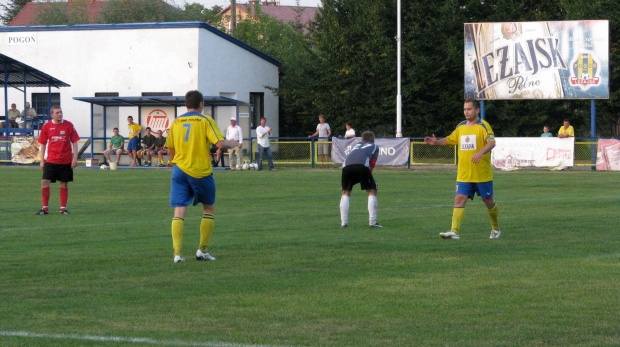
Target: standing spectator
{"type": "Point", "coordinates": [566, 130]}
{"type": "Point", "coordinates": [475, 140]}
{"type": "Point", "coordinates": [350, 131]}
{"type": "Point", "coordinates": [357, 168]}
{"type": "Point", "coordinates": [262, 133]}
{"type": "Point", "coordinates": [234, 132]}
{"type": "Point", "coordinates": [134, 140]}
{"type": "Point", "coordinates": [28, 114]}
{"type": "Point", "coordinates": [13, 114]}
{"type": "Point", "coordinates": [117, 142]}
{"type": "Point", "coordinates": [148, 145]}
{"type": "Point", "coordinates": [546, 132]}
{"type": "Point", "coordinates": [324, 132]}
{"type": "Point", "coordinates": [59, 138]}
{"type": "Point", "coordinates": [189, 142]}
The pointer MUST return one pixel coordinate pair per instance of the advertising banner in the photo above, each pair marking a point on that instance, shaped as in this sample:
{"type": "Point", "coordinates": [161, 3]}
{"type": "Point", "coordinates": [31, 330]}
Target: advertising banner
{"type": "Point", "coordinates": [392, 151]}
{"type": "Point", "coordinates": [608, 155]}
{"type": "Point", "coordinates": [537, 60]}
{"type": "Point", "coordinates": [511, 153]}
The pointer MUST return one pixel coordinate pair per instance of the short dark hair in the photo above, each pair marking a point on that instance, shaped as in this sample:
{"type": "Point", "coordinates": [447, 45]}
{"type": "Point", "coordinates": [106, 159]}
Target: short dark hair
{"type": "Point", "coordinates": [475, 102]}
{"type": "Point", "coordinates": [114, 129]}
{"type": "Point", "coordinates": [148, 128]}
{"type": "Point", "coordinates": [54, 108]}
{"type": "Point", "coordinates": [348, 123]}
{"type": "Point", "coordinates": [129, 117]}
{"type": "Point", "coordinates": [193, 98]}
{"type": "Point", "coordinates": [566, 120]}
{"type": "Point", "coordinates": [368, 136]}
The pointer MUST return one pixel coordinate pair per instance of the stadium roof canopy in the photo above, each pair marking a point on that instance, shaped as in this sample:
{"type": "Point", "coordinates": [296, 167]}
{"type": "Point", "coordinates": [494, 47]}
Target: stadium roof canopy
{"type": "Point", "coordinates": [14, 74]}
{"type": "Point", "coordinates": [145, 101]}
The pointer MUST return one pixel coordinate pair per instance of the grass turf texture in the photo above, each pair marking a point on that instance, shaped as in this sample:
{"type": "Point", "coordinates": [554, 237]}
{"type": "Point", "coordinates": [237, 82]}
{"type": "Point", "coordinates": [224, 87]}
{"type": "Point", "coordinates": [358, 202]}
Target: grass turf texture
{"type": "Point", "coordinates": [286, 274]}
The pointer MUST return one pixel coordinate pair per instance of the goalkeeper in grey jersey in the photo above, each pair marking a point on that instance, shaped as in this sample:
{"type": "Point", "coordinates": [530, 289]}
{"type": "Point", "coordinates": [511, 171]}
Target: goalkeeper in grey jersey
{"type": "Point", "coordinates": [357, 168]}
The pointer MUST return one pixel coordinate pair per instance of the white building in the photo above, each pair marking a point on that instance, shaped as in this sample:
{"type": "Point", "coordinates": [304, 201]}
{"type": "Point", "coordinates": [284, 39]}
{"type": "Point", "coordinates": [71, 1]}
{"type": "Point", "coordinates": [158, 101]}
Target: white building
{"type": "Point", "coordinates": [143, 59]}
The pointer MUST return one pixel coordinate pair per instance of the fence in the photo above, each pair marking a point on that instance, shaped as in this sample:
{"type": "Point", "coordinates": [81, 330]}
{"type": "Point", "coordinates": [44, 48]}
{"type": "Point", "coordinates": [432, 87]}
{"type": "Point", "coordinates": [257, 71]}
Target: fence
{"type": "Point", "coordinates": [302, 152]}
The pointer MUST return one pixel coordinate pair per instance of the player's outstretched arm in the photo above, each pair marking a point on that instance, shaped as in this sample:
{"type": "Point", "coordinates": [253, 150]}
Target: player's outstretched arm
{"type": "Point", "coordinates": [432, 140]}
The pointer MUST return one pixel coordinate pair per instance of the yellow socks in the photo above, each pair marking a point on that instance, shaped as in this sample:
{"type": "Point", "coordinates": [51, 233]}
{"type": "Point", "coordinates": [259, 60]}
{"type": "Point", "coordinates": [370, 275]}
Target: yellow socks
{"type": "Point", "coordinates": [494, 216]}
{"type": "Point", "coordinates": [177, 234]}
{"type": "Point", "coordinates": [206, 229]}
{"type": "Point", "coordinates": [457, 218]}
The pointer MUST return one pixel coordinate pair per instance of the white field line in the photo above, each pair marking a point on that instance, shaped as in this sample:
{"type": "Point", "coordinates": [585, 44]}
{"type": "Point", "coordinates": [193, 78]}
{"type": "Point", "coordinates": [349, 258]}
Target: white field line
{"type": "Point", "coordinates": [143, 340]}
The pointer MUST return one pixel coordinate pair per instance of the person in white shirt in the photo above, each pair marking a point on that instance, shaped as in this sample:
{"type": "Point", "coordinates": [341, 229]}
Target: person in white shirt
{"type": "Point", "coordinates": [350, 132]}
{"type": "Point", "coordinates": [324, 131]}
{"type": "Point", "coordinates": [234, 132]}
{"type": "Point", "coordinates": [262, 133]}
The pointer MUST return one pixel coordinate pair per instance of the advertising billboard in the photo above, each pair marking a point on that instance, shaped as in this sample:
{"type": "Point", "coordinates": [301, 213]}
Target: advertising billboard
{"type": "Point", "coordinates": [537, 60]}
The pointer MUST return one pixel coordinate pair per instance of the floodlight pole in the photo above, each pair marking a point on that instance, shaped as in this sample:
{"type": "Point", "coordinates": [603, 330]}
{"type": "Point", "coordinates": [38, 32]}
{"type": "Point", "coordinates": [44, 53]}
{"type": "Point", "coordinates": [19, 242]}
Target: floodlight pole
{"type": "Point", "coordinates": [399, 99]}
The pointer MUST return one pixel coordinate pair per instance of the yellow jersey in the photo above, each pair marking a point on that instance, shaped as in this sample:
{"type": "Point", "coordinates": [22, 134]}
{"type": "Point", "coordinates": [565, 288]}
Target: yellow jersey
{"type": "Point", "coordinates": [191, 136]}
{"type": "Point", "coordinates": [134, 130]}
{"type": "Point", "coordinates": [570, 131]}
{"type": "Point", "coordinates": [469, 141]}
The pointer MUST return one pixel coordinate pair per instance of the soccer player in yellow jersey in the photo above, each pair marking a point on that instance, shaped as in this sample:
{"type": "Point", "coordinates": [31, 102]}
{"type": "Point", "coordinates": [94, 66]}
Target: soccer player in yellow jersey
{"type": "Point", "coordinates": [189, 142]}
{"type": "Point", "coordinates": [475, 140]}
{"type": "Point", "coordinates": [134, 140]}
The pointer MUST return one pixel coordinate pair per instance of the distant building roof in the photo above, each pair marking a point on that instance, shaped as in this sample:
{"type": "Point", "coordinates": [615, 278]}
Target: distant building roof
{"type": "Point", "coordinates": [28, 14]}
{"type": "Point", "coordinates": [285, 14]}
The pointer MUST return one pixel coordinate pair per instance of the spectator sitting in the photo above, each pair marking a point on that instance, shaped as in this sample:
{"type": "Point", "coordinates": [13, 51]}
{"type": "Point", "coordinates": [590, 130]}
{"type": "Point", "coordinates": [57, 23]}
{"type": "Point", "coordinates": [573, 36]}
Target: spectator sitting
{"type": "Point", "coordinates": [160, 144]}
{"type": "Point", "coordinates": [148, 142]}
{"type": "Point", "coordinates": [28, 114]}
{"type": "Point", "coordinates": [117, 142]}
{"type": "Point", "coordinates": [13, 114]}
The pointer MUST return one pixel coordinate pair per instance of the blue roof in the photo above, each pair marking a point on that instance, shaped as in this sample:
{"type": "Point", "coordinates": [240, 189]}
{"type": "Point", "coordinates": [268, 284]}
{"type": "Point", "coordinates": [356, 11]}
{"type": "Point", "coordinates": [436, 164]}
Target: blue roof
{"type": "Point", "coordinates": [137, 26]}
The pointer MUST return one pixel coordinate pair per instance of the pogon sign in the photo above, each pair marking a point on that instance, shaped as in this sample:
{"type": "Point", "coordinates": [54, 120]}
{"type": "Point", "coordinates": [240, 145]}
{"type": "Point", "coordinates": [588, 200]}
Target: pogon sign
{"type": "Point", "coordinates": [22, 39]}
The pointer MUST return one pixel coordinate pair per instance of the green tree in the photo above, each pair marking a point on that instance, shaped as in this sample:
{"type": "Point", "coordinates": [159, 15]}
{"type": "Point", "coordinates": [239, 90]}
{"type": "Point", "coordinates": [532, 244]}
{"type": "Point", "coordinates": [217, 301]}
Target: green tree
{"type": "Point", "coordinates": [353, 68]}
{"type": "Point", "coordinates": [140, 11]}
{"type": "Point", "coordinates": [11, 9]}
{"type": "Point", "coordinates": [287, 44]}
{"type": "Point", "coordinates": [62, 13]}
{"type": "Point", "coordinates": [197, 12]}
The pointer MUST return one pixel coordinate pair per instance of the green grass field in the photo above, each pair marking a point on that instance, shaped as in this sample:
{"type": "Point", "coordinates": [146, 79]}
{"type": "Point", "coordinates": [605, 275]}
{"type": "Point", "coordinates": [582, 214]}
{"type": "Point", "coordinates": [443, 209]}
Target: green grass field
{"type": "Point", "coordinates": [286, 274]}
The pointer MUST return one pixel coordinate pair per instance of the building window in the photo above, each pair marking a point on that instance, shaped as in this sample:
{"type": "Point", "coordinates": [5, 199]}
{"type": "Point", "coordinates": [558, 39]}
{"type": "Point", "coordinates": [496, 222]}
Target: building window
{"type": "Point", "coordinates": [41, 102]}
{"type": "Point", "coordinates": [257, 108]}
{"type": "Point", "coordinates": [156, 93]}
{"type": "Point", "coordinates": [106, 94]}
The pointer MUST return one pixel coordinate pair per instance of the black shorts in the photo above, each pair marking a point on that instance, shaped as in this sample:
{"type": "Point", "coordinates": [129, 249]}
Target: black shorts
{"type": "Point", "coordinates": [357, 173]}
{"type": "Point", "coordinates": [57, 172]}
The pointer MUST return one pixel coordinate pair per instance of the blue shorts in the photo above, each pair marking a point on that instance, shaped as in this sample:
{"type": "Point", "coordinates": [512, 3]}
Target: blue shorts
{"type": "Point", "coordinates": [186, 190]}
{"type": "Point", "coordinates": [483, 189]}
{"type": "Point", "coordinates": [152, 150]}
{"type": "Point", "coordinates": [133, 144]}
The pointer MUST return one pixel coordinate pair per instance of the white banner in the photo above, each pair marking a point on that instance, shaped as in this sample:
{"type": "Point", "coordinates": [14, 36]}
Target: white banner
{"type": "Point", "coordinates": [511, 153]}
{"type": "Point", "coordinates": [608, 155]}
{"type": "Point", "coordinates": [392, 151]}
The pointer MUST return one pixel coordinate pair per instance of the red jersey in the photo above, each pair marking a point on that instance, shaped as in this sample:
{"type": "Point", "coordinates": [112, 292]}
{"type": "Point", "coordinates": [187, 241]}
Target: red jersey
{"type": "Point", "coordinates": [58, 138]}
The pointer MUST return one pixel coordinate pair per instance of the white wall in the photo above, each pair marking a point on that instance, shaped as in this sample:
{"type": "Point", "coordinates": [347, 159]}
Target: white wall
{"type": "Point", "coordinates": [132, 61]}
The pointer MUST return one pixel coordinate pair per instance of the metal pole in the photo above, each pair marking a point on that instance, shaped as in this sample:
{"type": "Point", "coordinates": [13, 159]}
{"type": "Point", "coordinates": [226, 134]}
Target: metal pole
{"type": "Point", "coordinates": [233, 16]}
{"type": "Point", "coordinates": [483, 113]}
{"type": "Point", "coordinates": [399, 100]}
{"type": "Point", "coordinates": [593, 133]}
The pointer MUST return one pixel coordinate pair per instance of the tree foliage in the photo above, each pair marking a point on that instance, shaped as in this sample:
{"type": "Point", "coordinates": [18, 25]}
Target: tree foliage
{"type": "Point", "coordinates": [351, 71]}
{"type": "Point", "coordinates": [11, 9]}
{"type": "Point", "coordinates": [137, 11]}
